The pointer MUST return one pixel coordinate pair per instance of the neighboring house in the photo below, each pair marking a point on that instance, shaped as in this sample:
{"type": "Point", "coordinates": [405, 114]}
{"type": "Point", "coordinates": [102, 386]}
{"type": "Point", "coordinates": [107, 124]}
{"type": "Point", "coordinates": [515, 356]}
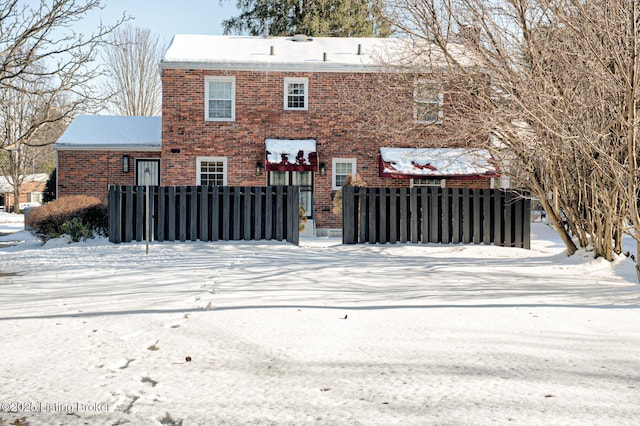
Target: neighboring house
{"type": "Point", "coordinates": [269, 111]}
{"type": "Point", "coordinates": [100, 150]}
{"type": "Point", "coordinates": [31, 191]}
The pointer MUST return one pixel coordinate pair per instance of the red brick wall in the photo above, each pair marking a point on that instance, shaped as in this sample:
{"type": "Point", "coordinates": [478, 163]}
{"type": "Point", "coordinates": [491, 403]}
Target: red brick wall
{"type": "Point", "coordinates": [260, 115]}
{"type": "Point", "coordinates": [479, 182]}
{"type": "Point", "coordinates": [91, 172]}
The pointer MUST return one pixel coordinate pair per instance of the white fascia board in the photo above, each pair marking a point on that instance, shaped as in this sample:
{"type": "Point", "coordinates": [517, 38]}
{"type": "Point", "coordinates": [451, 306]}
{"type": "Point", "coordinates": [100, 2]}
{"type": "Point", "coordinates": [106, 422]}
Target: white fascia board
{"type": "Point", "coordinates": [319, 66]}
{"type": "Point", "coordinates": [139, 148]}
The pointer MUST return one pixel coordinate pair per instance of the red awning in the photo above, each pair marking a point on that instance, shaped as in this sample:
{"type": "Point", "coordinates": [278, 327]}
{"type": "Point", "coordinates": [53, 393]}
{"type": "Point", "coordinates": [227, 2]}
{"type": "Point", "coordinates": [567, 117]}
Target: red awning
{"type": "Point", "coordinates": [285, 155]}
{"type": "Point", "coordinates": [408, 163]}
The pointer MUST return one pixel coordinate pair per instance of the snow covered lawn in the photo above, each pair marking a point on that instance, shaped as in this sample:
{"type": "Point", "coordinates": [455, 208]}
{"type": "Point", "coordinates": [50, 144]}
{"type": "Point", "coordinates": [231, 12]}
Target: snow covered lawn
{"type": "Point", "coordinates": [270, 333]}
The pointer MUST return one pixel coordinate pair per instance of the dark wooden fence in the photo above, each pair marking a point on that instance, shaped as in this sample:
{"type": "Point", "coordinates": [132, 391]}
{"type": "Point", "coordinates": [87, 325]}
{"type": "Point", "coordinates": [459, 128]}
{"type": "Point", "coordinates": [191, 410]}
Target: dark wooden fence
{"type": "Point", "coordinates": [205, 213]}
{"type": "Point", "coordinates": [435, 215]}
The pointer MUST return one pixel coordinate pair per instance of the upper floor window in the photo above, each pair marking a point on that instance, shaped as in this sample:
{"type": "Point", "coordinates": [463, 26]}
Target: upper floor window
{"type": "Point", "coordinates": [428, 100]}
{"type": "Point", "coordinates": [211, 171]}
{"type": "Point", "coordinates": [342, 167]}
{"type": "Point", "coordinates": [296, 93]}
{"type": "Point", "coordinates": [220, 98]}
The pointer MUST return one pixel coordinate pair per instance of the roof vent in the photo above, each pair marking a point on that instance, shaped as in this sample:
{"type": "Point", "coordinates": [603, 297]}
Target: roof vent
{"type": "Point", "coordinates": [300, 37]}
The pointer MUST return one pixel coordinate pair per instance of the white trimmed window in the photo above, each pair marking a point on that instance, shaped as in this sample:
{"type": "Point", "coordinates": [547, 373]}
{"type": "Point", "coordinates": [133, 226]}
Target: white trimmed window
{"type": "Point", "coordinates": [220, 98]}
{"type": "Point", "coordinates": [422, 182]}
{"type": "Point", "coordinates": [341, 168]}
{"type": "Point", "coordinates": [34, 197]}
{"type": "Point", "coordinates": [428, 101]}
{"type": "Point", "coordinates": [296, 94]}
{"type": "Point", "coordinates": [211, 171]}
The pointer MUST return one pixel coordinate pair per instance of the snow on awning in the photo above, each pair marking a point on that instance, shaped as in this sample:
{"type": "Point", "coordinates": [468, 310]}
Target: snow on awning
{"type": "Point", "coordinates": [407, 163]}
{"type": "Point", "coordinates": [286, 155]}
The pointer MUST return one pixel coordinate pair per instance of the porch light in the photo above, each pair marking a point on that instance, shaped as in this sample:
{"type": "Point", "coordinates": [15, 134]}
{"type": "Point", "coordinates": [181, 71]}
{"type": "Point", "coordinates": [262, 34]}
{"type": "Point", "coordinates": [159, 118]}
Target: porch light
{"type": "Point", "coordinates": [323, 169]}
{"type": "Point", "coordinates": [259, 168]}
{"type": "Point", "coordinates": [125, 163]}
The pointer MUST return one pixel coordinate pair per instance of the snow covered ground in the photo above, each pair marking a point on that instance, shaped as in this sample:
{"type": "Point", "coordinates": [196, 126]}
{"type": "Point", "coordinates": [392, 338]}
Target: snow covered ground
{"type": "Point", "coordinates": [270, 333]}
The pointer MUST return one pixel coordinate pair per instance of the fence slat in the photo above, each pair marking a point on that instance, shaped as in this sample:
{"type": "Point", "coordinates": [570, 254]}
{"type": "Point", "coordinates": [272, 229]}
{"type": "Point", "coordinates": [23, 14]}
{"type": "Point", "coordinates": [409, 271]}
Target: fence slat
{"type": "Point", "coordinates": [456, 229]}
{"type": "Point", "coordinates": [519, 222]}
{"type": "Point", "coordinates": [247, 207]}
{"type": "Point", "coordinates": [383, 216]}
{"type": "Point", "coordinates": [526, 224]}
{"type": "Point", "coordinates": [258, 215]}
{"type": "Point", "coordinates": [348, 215]}
{"type": "Point", "coordinates": [498, 220]}
{"type": "Point", "coordinates": [128, 214]}
{"type": "Point", "coordinates": [414, 216]}
{"type": "Point", "coordinates": [466, 216]}
{"type": "Point", "coordinates": [434, 215]}
{"type": "Point", "coordinates": [215, 212]}
{"type": "Point", "coordinates": [182, 212]}
{"type": "Point", "coordinates": [280, 209]}
{"type": "Point", "coordinates": [404, 215]}
{"type": "Point", "coordinates": [362, 210]}
{"type": "Point", "coordinates": [268, 212]}
{"type": "Point", "coordinates": [372, 193]}
{"type": "Point", "coordinates": [138, 193]}
{"type": "Point", "coordinates": [446, 216]}
{"type": "Point", "coordinates": [113, 204]}
{"type": "Point", "coordinates": [204, 213]}
{"type": "Point", "coordinates": [226, 213]}
{"type": "Point", "coordinates": [192, 197]}
{"type": "Point", "coordinates": [393, 215]}
{"type": "Point", "coordinates": [293, 220]}
{"type": "Point", "coordinates": [508, 220]}
{"type": "Point", "coordinates": [477, 217]}
{"type": "Point", "coordinates": [486, 216]}
{"type": "Point", "coordinates": [424, 213]}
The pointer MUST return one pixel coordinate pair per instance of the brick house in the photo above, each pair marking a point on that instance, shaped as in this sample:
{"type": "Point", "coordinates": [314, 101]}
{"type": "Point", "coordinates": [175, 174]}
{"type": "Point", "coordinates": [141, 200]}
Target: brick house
{"type": "Point", "coordinates": [31, 191]}
{"type": "Point", "coordinates": [96, 151]}
{"type": "Point", "coordinates": [271, 110]}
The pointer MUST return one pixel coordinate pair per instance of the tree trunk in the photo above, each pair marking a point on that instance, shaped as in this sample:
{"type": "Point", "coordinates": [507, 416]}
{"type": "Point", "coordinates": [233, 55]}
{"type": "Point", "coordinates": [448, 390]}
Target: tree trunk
{"type": "Point", "coordinates": [16, 198]}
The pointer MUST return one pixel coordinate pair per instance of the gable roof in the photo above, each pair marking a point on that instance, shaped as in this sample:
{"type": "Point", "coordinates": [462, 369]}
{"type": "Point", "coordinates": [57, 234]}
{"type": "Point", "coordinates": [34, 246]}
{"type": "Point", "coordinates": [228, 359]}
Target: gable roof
{"type": "Point", "coordinates": [109, 132]}
{"type": "Point", "coordinates": [296, 53]}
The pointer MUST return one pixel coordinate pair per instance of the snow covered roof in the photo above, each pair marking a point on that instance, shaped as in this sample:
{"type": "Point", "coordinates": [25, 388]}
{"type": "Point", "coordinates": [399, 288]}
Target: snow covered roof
{"type": "Point", "coordinates": [6, 186]}
{"type": "Point", "coordinates": [291, 155]}
{"type": "Point", "coordinates": [436, 162]}
{"type": "Point", "coordinates": [104, 132]}
{"type": "Point", "coordinates": [296, 53]}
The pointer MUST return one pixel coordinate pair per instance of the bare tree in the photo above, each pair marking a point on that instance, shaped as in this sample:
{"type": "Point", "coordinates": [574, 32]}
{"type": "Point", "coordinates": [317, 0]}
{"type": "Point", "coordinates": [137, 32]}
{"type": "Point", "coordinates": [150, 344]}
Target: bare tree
{"type": "Point", "coordinates": [46, 71]}
{"type": "Point", "coordinates": [27, 132]}
{"type": "Point", "coordinates": [134, 75]}
{"type": "Point", "coordinates": [557, 87]}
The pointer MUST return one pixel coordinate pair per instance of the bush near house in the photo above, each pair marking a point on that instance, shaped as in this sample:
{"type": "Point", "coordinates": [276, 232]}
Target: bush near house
{"type": "Point", "coordinates": [49, 193]}
{"type": "Point", "coordinates": [78, 216]}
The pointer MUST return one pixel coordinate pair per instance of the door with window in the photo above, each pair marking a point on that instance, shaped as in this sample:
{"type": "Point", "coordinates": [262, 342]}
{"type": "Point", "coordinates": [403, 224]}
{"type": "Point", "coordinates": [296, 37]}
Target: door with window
{"type": "Point", "coordinates": [148, 172]}
{"type": "Point", "coordinates": [302, 179]}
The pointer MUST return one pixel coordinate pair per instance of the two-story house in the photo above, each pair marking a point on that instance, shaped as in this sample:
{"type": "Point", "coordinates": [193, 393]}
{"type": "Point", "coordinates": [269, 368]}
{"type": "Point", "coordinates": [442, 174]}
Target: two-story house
{"type": "Point", "coordinates": [279, 111]}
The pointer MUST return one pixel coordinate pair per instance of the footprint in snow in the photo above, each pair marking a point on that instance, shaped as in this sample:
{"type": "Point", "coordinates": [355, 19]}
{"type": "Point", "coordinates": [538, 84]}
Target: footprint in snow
{"type": "Point", "coordinates": [149, 381]}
